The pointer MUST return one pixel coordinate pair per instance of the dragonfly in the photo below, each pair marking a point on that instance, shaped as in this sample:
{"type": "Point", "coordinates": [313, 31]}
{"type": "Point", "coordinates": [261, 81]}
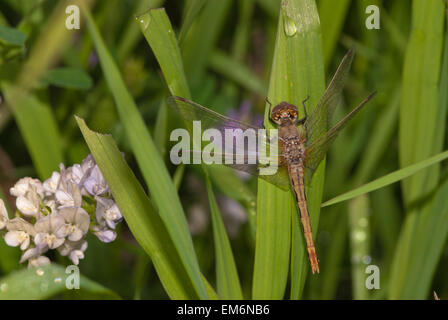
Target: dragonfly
{"type": "Point", "coordinates": [302, 142]}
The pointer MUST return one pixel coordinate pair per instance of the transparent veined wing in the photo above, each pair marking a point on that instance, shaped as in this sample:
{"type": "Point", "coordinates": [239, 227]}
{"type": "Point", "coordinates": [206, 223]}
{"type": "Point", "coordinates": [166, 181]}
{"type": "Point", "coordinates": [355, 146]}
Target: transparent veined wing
{"type": "Point", "coordinates": [316, 151]}
{"type": "Point", "coordinates": [252, 158]}
{"type": "Point", "coordinates": [320, 118]}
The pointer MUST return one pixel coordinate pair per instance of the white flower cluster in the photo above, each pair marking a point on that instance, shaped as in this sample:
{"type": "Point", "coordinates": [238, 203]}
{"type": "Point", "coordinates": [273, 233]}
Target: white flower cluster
{"type": "Point", "coordinates": [58, 213]}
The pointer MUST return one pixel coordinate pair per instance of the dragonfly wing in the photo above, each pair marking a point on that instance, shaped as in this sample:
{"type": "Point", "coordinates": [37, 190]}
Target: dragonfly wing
{"type": "Point", "coordinates": [245, 157]}
{"type": "Point", "coordinates": [316, 151]}
{"type": "Point", "coordinates": [319, 120]}
{"type": "Point", "coordinates": [193, 111]}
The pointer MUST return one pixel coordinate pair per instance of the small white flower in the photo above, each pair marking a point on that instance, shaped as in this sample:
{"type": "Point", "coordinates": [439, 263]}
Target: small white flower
{"type": "Point", "coordinates": [32, 253]}
{"type": "Point", "coordinates": [23, 185]}
{"type": "Point", "coordinates": [39, 261]}
{"type": "Point", "coordinates": [95, 184]}
{"type": "Point", "coordinates": [74, 250]}
{"type": "Point", "coordinates": [88, 163]}
{"type": "Point", "coordinates": [3, 215]}
{"type": "Point", "coordinates": [46, 228]}
{"type": "Point", "coordinates": [76, 173]}
{"type": "Point", "coordinates": [107, 212]}
{"type": "Point", "coordinates": [69, 196]}
{"type": "Point", "coordinates": [77, 223]}
{"type": "Point", "coordinates": [19, 233]}
{"type": "Point", "coordinates": [51, 184]}
{"type": "Point", "coordinates": [29, 203]}
{"type": "Point", "coordinates": [104, 234]}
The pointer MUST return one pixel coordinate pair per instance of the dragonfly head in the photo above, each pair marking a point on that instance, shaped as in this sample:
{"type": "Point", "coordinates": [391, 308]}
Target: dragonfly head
{"type": "Point", "coordinates": [284, 113]}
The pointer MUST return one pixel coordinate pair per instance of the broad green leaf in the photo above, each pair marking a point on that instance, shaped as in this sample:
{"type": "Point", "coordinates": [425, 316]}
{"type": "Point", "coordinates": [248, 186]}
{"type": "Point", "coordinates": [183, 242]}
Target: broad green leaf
{"type": "Point", "coordinates": [297, 71]}
{"type": "Point", "coordinates": [228, 283]}
{"type": "Point", "coordinates": [158, 180]}
{"type": "Point", "coordinates": [70, 78]}
{"type": "Point", "coordinates": [388, 179]}
{"type": "Point", "coordinates": [48, 281]}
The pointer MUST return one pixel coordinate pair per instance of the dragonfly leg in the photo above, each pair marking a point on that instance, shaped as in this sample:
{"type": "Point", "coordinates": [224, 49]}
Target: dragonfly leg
{"type": "Point", "coordinates": [270, 119]}
{"type": "Point", "coordinates": [302, 121]}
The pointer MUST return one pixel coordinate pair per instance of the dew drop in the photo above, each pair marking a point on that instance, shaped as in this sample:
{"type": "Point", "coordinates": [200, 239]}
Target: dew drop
{"type": "Point", "coordinates": [144, 21]}
{"type": "Point", "coordinates": [40, 272]}
{"type": "Point", "coordinates": [289, 26]}
{"type": "Point", "coordinates": [3, 287]}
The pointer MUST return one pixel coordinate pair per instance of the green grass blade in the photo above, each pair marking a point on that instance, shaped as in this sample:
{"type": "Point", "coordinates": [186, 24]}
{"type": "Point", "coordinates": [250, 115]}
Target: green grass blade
{"type": "Point", "coordinates": [191, 11]}
{"type": "Point", "coordinates": [156, 175]}
{"type": "Point", "coordinates": [236, 71]}
{"type": "Point", "coordinates": [359, 244]}
{"type": "Point", "coordinates": [48, 281]}
{"type": "Point", "coordinates": [332, 16]}
{"type": "Point", "coordinates": [200, 40]}
{"type": "Point", "coordinates": [32, 117]}
{"type": "Point", "coordinates": [159, 33]}
{"type": "Point", "coordinates": [143, 220]}
{"type": "Point", "coordinates": [228, 283]}
{"type": "Point", "coordinates": [421, 134]}
{"type": "Point", "coordinates": [68, 78]}
{"type": "Point", "coordinates": [297, 71]}
{"type": "Point", "coordinates": [388, 179]}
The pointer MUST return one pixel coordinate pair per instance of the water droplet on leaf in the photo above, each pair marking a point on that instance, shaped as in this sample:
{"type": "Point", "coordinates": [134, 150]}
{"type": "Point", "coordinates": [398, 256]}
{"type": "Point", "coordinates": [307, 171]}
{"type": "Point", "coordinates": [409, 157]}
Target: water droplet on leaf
{"type": "Point", "coordinates": [289, 26]}
{"type": "Point", "coordinates": [144, 21]}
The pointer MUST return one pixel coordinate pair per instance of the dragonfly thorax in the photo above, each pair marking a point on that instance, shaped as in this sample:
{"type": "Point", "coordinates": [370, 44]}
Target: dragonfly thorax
{"type": "Point", "coordinates": [284, 113]}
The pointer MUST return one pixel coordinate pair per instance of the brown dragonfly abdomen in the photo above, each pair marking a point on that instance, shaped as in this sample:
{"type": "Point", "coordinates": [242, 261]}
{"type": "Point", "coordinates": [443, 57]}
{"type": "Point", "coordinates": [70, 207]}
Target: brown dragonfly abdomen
{"type": "Point", "coordinates": [293, 154]}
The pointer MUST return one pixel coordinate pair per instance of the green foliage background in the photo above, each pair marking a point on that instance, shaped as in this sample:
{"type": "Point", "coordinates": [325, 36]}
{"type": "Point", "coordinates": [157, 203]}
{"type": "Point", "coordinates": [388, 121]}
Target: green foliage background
{"type": "Point", "coordinates": [115, 73]}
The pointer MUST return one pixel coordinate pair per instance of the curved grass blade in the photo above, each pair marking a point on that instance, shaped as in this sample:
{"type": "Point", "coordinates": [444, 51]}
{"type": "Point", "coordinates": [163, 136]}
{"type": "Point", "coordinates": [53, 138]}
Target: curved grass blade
{"type": "Point", "coordinates": [143, 220]}
{"type": "Point", "coordinates": [388, 179]}
{"type": "Point", "coordinates": [150, 162]}
{"type": "Point", "coordinates": [228, 283]}
{"type": "Point", "coordinates": [48, 281]}
{"type": "Point", "coordinates": [332, 16]}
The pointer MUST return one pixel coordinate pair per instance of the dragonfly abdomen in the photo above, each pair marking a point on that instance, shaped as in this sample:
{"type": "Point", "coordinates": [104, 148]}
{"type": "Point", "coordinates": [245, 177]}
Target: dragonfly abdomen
{"type": "Point", "coordinates": [297, 175]}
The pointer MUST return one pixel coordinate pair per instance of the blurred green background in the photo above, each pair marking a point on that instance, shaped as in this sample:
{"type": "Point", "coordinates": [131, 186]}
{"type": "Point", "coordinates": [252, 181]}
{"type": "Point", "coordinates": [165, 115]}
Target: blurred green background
{"type": "Point", "coordinates": [227, 49]}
